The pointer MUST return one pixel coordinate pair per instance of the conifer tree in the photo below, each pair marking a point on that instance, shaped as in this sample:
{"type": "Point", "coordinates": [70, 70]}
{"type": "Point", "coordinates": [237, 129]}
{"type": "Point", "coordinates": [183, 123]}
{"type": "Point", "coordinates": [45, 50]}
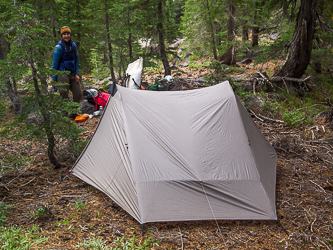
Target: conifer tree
{"type": "Point", "coordinates": [301, 43]}
{"type": "Point", "coordinates": [158, 23]}
{"type": "Point", "coordinates": [31, 43]}
{"type": "Point", "coordinates": [231, 53]}
{"type": "Point", "coordinates": [199, 24]}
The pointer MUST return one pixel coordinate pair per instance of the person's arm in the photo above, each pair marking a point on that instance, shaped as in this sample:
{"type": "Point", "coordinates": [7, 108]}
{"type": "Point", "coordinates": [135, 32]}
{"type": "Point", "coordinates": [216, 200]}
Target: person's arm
{"type": "Point", "coordinates": [57, 54]}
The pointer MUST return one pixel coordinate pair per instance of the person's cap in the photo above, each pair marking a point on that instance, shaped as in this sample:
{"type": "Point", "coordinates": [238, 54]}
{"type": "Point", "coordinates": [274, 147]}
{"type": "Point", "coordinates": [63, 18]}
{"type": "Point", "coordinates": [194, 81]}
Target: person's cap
{"type": "Point", "coordinates": [64, 29]}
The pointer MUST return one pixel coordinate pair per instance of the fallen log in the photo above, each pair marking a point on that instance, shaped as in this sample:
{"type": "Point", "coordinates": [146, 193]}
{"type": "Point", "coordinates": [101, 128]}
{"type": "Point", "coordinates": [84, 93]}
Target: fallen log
{"type": "Point", "coordinates": [274, 79]}
{"type": "Point", "coordinates": [279, 79]}
{"type": "Point", "coordinates": [264, 118]}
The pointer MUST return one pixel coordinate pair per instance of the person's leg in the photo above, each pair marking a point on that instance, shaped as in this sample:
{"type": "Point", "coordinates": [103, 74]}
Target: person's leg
{"type": "Point", "coordinates": [63, 89]}
{"type": "Point", "coordinates": [75, 89]}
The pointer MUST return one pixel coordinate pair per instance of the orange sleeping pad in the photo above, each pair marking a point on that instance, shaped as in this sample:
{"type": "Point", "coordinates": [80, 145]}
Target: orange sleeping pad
{"type": "Point", "coordinates": [81, 118]}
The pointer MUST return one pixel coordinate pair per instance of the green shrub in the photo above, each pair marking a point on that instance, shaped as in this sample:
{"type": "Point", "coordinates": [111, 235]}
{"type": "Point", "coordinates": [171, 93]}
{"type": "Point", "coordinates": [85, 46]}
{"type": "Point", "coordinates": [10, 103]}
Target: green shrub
{"type": "Point", "coordinates": [296, 118]}
{"type": "Point", "coordinates": [17, 238]}
{"type": "Point", "coordinates": [41, 212]}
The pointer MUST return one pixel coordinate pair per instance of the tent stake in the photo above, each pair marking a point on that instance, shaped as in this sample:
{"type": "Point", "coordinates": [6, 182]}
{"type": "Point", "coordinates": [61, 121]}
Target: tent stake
{"type": "Point", "coordinates": [278, 221]}
{"type": "Point", "coordinates": [142, 230]}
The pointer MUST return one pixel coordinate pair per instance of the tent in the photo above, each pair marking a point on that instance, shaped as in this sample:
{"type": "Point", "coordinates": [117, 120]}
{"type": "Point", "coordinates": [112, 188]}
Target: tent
{"type": "Point", "coordinates": [181, 155]}
{"type": "Point", "coordinates": [133, 73]}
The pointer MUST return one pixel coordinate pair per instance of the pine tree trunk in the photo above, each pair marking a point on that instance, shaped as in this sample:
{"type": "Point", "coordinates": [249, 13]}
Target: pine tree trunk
{"type": "Point", "coordinates": [245, 33]}
{"type": "Point", "coordinates": [255, 36]}
{"type": "Point", "coordinates": [107, 24]}
{"type": "Point", "coordinates": [301, 44]}
{"type": "Point", "coordinates": [231, 53]}
{"type": "Point", "coordinates": [10, 85]}
{"type": "Point", "coordinates": [212, 34]}
{"type": "Point", "coordinates": [46, 122]}
{"type": "Point", "coordinates": [129, 37]}
{"type": "Point", "coordinates": [14, 96]}
{"type": "Point", "coordinates": [255, 28]}
{"type": "Point", "coordinates": [245, 27]}
{"type": "Point", "coordinates": [161, 40]}
{"type": "Point", "coordinates": [78, 14]}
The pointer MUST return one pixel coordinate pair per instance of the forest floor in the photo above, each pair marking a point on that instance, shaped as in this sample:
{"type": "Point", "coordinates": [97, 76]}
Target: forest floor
{"type": "Point", "coordinates": [69, 211]}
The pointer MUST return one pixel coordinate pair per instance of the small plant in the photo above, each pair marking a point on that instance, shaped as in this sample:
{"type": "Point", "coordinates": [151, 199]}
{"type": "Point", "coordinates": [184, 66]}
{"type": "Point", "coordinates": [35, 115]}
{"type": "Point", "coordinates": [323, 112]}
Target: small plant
{"type": "Point", "coordinates": [79, 204]}
{"type": "Point", "coordinates": [65, 222]}
{"type": "Point", "coordinates": [3, 211]}
{"type": "Point", "coordinates": [94, 244]}
{"type": "Point", "coordinates": [133, 243]}
{"type": "Point", "coordinates": [295, 118]}
{"type": "Point", "coordinates": [19, 238]}
{"type": "Point", "coordinates": [41, 212]}
{"type": "Point", "coordinates": [80, 207]}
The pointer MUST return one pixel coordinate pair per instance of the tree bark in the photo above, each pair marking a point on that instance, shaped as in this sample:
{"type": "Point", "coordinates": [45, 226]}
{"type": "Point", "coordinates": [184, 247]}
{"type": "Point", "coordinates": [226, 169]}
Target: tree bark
{"type": "Point", "coordinates": [107, 24]}
{"type": "Point", "coordinates": [301, 44]}
{"type": "Point", "coordinates": [78, 14]}
{"type": "Point", "coordinates": [245, 26]}
{"type": "Point", "coordinates": [161, 40]}
{"type": "Point", "coordinates": [129, 37]}
{"type": "Point", "coordinates": [245, 33]}
{"type": "Point", "coordinates": [255, 28]}
{"type": "Point", "coordinates": [46, 121]}
{"type": "Point", "coordinates": [231, 53]}
{"type": "Point", "coordinates": [212, 33]}
{"type": "Point", "coordinates": [329, 118]}
{"type": "Point", "coordinates": [10, 83]}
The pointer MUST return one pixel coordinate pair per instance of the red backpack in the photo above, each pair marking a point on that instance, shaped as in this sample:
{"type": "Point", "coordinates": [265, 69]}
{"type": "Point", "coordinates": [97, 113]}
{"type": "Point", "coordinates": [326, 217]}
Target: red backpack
{"type": "Point", "coordinates": [101, 99]}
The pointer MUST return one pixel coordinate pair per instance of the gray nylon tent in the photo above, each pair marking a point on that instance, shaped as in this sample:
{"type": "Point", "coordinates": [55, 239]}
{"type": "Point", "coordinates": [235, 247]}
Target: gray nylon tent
{"type": "Point", "coordinates": [181, 155]}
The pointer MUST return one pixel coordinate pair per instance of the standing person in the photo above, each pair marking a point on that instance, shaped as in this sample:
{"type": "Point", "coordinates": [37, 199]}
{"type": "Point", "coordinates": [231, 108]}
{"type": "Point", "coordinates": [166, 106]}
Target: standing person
{"type": "Point", "coordinates": [66, 58]}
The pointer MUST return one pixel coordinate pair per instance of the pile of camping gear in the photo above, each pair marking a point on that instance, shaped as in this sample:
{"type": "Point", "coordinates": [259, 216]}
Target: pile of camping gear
{"type": "Point", "coordinates": [98, 99]}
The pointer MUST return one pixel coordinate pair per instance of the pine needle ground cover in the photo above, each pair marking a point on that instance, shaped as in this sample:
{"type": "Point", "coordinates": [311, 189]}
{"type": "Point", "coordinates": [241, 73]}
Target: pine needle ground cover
{"type": "Point", "coordinates": [72, 215]}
